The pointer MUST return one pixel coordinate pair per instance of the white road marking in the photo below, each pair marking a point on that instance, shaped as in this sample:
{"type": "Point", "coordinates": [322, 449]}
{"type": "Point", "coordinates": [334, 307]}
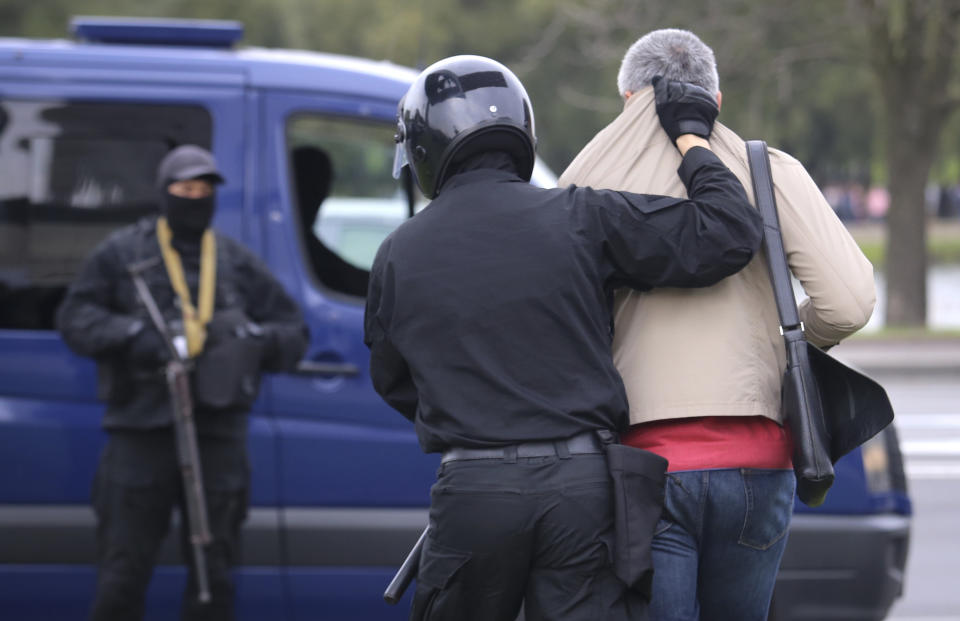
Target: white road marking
{"type": "Point", "coordinates": [923, 448]}
{"type": "Point", "coordinates": [927, 421]}
{"type": "Point", "coordinates": [930, 618]}
{"type": "Point", "coordinates": [932, 470]}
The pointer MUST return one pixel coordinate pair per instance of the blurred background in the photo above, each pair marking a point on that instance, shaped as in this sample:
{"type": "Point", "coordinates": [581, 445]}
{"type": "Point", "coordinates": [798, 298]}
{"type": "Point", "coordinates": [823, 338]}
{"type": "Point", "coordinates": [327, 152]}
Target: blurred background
{"type": "Point", "coordinates": [855, 89]}
{"type": "Point", "coordinates": [863, 92]}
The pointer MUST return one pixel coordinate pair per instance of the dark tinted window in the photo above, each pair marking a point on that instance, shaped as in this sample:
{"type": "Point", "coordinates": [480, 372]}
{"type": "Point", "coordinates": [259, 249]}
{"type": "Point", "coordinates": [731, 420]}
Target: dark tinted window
{"type": "Point", "coordinates": [70, 173]}
{"type": "Point", "coordinates": [347, 198]}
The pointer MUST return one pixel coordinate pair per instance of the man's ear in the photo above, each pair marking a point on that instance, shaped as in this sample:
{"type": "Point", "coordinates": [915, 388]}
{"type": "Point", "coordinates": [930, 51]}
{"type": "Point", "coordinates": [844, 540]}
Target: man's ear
{"type": "Point", "coordinates": [627, 95]}
{"type": "Point", "coordinates": [719, 99]}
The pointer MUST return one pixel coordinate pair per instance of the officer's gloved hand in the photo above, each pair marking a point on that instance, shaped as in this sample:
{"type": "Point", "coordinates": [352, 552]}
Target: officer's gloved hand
{"type": "Point", "coordinates": [147, 346]}
{"type": "Point", "coordinates": [255, 331]}
{"type": "Point", "coordinates": [684, 108]}
{"type": "Point", "coordinates": [234, 324]}
{"type": "Point", "coordinates": [227, 324]}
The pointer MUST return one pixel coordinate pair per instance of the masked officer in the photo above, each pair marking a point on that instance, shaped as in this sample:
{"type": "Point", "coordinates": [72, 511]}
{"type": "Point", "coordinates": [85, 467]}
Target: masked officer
{"type": "Point", "coordinates": [233, 320]}
{"type": "Point", "coordinates": [488, 320]}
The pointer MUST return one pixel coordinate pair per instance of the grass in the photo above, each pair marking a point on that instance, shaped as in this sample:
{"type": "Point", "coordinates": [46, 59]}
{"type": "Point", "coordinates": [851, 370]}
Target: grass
{"type": "Point", "coordinates": [943, 241]}
{"type": "Point", "coordinates": [908, 334]}
{"type": "Point", "coordinates": [943, 247]}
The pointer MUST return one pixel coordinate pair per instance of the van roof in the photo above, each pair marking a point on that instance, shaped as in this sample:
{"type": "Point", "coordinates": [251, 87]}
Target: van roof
{"type": "Point", "coordinates": [256, 67]}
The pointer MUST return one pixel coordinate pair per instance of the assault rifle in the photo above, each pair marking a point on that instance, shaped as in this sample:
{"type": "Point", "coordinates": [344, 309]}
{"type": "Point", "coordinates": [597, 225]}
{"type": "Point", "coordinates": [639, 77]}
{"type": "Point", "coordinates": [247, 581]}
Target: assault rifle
{"type": "Point", "coordinates": [185, 432]}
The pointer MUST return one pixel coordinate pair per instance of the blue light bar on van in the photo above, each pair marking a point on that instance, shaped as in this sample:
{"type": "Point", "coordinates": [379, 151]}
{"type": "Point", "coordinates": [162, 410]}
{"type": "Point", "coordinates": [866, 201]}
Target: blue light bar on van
{"type": "Point", "coordinates": [156, 31]}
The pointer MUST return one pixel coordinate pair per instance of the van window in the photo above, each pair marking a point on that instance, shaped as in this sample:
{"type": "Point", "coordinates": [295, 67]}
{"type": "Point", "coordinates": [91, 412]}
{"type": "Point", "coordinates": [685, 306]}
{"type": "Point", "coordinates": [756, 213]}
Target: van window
{"type": "Point", "coordinates": [347, 198]}
{"type": "Point", "coordinates": [70, 173]}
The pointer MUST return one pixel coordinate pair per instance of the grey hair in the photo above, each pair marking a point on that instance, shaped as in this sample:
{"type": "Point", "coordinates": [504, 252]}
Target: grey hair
{"type": "Point", "coordinates": [672, 53]}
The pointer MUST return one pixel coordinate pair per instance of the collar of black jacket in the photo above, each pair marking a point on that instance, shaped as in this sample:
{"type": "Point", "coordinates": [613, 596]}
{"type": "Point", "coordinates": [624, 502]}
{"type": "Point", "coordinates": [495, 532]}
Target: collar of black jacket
{"type": "Point", "coordinates": [480, 166]}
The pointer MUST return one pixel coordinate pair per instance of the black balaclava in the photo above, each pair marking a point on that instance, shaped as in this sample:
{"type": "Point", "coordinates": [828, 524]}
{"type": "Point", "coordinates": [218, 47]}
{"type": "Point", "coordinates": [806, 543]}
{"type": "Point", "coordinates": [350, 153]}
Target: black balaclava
{"type": "Point", "coordinates": [188, 217]}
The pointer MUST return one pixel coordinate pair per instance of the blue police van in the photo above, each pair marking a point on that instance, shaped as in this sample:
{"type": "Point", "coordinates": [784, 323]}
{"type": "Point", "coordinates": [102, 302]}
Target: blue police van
{"type": "Point", "coordinates": [339, 485]}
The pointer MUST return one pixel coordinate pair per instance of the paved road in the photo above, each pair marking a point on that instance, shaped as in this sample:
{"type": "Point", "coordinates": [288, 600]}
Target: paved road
{"type": "Point", "coordinates": [928, 420]}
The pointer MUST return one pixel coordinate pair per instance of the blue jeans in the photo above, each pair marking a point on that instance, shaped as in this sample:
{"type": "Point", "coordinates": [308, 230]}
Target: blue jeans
{"type": "Point", "coordinates": [717, 547]}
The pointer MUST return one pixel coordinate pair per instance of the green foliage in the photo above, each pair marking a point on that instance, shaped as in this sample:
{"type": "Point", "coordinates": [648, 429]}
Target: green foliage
{"type": "Point", "coordinates": [906, 334]}
{"type": "Point", "coordinates": [793, 73]}
{"type": "Point", "coordinates": [847, 86]}
{"type": "Point", "coordinates": [943, 244]}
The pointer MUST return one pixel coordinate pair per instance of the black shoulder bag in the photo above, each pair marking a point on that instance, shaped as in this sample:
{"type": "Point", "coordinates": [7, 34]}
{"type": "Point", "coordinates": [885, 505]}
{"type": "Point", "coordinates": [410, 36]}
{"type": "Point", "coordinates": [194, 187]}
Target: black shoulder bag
{"type": "Point", "coordinates": [830, 408]}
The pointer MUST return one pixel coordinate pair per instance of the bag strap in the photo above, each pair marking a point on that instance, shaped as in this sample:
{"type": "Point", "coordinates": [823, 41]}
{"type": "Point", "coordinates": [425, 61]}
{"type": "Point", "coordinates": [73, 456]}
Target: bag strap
{"type": "Point", "coordinates": [772, 240]}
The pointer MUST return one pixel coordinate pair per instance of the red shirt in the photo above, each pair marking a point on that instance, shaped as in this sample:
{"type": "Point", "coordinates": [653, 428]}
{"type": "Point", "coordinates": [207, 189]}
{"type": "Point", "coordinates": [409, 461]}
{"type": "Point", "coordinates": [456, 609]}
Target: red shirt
{"type": "Point", "coordinates": [712, 442]}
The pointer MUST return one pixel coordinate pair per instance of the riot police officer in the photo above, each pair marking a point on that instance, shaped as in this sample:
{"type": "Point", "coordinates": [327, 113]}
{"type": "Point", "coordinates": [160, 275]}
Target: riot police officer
{"type": "Point", "coordinates": [233, 320]}
{"type": "Point", "coordinates": [488, 320]}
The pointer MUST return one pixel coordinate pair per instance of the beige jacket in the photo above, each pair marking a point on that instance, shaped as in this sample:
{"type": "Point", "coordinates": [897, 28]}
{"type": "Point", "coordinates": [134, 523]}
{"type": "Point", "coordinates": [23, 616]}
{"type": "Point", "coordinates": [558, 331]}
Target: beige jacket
{"type": "Point", "coordinates": [717, 351]}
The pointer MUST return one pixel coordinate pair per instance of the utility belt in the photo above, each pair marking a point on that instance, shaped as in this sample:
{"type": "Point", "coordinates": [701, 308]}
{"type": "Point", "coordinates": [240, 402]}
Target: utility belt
{"type": "Point", "coordinates": [586, 443]}
{"type": "Point", "coordinates": [638, 477]}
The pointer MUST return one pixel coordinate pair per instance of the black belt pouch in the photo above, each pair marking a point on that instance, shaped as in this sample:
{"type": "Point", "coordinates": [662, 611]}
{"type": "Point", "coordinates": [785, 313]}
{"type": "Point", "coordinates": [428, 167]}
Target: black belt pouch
{"type": "Point", "coordinates": [638, 477]}
{"type": "Point", "coordinates": [227, 375]}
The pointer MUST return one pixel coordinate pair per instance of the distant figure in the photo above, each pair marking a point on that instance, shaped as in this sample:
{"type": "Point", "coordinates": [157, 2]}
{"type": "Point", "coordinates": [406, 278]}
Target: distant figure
{"type": "Point", "coordinates": [703, 367]}
{"type": "Point", "coordinates": [313, 175]}
{"type": "Point", "coordinates": [877, 202]}
{"type": "Point", "coordinates": [948, 205]}
{"type": "Point", "coordinates": [840, 199]}
{"type": "Point", "coordinates": [219, 299]}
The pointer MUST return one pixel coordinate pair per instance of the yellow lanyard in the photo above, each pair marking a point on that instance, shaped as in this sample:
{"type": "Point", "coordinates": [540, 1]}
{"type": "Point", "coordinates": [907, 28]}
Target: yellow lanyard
{"type": "Point", "coordinates": [194, 323]}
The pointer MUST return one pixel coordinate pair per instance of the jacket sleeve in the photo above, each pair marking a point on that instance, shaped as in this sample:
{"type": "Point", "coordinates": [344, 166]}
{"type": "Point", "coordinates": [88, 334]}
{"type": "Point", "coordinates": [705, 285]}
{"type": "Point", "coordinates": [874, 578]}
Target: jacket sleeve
{"type": "Point", "coordinates": [823, 256]}
{"type": "Point", "coordinates": [660, 241]}
{"type": "Point", "coordinates": [85, 319]}
{"type": "Point", "coordinates": [269, 306]}
{"type": "Point", "coordinates": [389, 371]}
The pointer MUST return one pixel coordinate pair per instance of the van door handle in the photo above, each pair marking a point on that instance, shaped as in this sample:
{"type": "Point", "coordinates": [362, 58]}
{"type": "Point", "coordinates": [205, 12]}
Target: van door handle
{"type": "Point", "coordinates": [317, 367]}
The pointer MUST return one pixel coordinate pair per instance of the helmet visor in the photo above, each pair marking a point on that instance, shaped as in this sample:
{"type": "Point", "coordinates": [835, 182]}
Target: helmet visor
{"type": "Point", "coordinates": [399, 160]}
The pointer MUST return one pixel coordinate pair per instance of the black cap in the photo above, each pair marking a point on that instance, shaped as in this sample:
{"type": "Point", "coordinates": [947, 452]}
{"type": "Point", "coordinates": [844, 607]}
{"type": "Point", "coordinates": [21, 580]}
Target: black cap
{"type": "Point", "coordinates": [187, 162]}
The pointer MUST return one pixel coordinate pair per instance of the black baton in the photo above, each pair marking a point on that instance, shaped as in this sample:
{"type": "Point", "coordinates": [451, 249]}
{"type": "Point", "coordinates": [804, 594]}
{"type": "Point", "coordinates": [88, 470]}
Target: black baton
{"type": "Point", "coordinates": [407, 571]}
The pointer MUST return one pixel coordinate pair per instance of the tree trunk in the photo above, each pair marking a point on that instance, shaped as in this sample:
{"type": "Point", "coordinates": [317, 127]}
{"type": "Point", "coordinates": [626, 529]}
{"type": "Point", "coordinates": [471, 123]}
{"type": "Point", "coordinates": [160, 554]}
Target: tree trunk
{"type": "Point", "coordinates": [906, 258]}
{"type": "Point", "coordinates": [913, 46]}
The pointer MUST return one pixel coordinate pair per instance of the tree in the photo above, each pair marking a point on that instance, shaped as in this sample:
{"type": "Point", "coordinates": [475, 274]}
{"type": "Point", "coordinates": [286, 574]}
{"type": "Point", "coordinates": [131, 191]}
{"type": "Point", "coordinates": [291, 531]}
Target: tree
{"type": "Point", "coordinates": [796, 72]}
{"type": "Point", "coordinates": [912, 49]}
{"type": "Point", "coordinates": [847, 87]}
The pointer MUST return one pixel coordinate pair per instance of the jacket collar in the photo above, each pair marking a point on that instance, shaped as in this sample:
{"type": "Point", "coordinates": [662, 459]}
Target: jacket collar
{"type": "Point", "coordinates": [477, 175]}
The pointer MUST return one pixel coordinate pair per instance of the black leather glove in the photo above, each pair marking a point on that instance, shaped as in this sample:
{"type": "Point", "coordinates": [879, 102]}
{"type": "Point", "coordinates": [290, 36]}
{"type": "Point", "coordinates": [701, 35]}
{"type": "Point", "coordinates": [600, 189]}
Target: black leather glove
{"type": "Point", "coordinates": [147, 346]}
{"type": "Point", "coordinates": [230, 323]}
{"type": "Point", "coordinates": [684, 108]}
{"type": "Point", "coordinates": [234, 324]}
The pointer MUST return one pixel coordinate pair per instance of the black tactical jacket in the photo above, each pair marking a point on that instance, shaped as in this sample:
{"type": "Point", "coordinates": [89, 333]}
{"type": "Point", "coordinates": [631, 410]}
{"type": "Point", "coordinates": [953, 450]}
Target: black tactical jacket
{"type": "Point", "coordinates": [101, 308]}
{"type": "Point", "coordinates": [489, 312]}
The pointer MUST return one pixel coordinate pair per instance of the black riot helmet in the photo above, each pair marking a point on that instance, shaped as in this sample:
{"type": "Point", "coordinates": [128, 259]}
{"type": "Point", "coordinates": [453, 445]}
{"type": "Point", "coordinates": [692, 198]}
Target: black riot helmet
{"type": "Point", "coordinates": [459, 107]}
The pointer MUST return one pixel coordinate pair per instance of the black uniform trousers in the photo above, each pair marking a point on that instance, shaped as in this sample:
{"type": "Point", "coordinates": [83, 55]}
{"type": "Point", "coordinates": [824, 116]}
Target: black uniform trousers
{"type": "Point", "coordinates": [536, 531]}
{"type": "Point", "coordinates": [137, 485]}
